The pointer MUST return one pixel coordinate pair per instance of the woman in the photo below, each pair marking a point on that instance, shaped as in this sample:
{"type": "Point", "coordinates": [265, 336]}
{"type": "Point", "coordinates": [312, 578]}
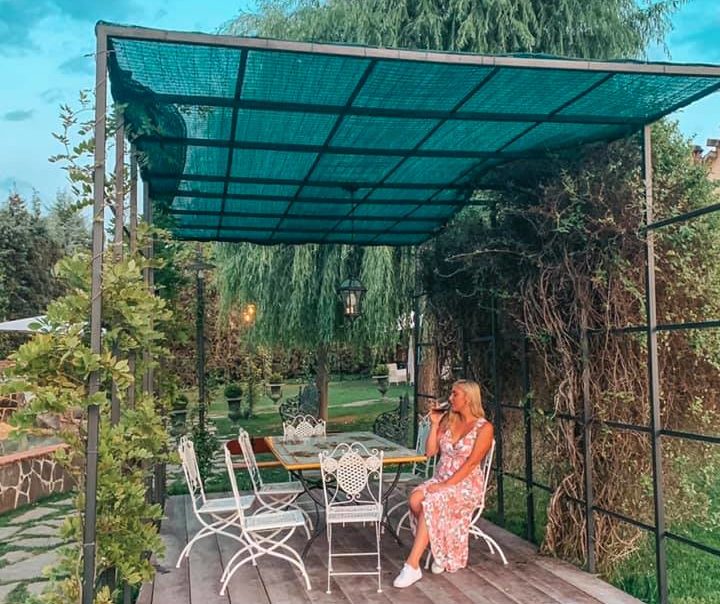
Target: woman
{"type": "Point", "coordinates": [442, 507]}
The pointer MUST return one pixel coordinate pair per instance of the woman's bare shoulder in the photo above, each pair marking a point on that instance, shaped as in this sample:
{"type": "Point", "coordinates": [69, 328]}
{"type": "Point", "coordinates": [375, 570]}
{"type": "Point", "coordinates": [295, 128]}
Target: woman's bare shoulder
{"type": "Point", "coordinates": [486, 426]}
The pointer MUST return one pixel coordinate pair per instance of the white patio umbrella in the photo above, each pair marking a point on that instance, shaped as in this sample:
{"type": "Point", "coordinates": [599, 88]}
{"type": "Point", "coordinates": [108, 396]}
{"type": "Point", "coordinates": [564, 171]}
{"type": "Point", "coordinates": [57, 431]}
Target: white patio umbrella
{"type": "Point", "coordinates": [22, 325]}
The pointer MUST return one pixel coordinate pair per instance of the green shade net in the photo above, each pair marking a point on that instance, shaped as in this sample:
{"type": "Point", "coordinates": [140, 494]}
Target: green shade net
{"type": "Point", "coordinates": [241, 141]}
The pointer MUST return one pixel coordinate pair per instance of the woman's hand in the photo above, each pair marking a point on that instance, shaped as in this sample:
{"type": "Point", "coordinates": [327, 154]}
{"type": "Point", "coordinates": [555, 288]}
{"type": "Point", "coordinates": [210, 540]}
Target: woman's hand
{"type": "Point", "coordinates": [436, 487]}
{"type": "Point", "coordinates": [436, 417]}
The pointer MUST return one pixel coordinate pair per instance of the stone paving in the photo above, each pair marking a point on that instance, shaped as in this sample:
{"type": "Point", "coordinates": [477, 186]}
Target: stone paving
{"type": "Point", "coordinates": [29, 542]}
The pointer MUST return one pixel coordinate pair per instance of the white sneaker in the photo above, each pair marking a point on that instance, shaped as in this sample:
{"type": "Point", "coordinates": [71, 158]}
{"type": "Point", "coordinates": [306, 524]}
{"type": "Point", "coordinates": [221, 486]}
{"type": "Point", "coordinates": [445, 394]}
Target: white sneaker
{"type": "Point", "coordinates": [408, 575]}
{"type": "Point", "coordinates": [437, 569]}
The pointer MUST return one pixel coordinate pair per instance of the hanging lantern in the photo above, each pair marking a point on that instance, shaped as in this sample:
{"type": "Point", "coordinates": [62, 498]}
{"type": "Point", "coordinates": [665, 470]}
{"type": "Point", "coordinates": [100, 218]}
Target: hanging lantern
{"type": "Point", "coordinates": [351, 294]}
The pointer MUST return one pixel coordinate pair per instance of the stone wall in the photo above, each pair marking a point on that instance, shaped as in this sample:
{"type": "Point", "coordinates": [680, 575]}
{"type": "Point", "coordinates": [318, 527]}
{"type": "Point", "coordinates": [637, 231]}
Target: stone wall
{"type": "Point", "coordinates": [31, 475]}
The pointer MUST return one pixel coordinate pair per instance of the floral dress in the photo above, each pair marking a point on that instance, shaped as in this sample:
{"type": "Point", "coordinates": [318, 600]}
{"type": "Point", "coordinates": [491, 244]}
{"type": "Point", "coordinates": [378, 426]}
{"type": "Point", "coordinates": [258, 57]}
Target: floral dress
{"type": "Point", "coordinates": [448, 512]}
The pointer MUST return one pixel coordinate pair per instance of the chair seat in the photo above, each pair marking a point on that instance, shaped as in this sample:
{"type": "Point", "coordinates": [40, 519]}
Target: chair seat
{"type": "Point", "coordinates": [371, 512]}
{"type": "Point", "coordinates": [225, 504]}
{"type": "Point", "coordinates": [282, 488]}
{"type": "Point", "coordinates": [268, 521]}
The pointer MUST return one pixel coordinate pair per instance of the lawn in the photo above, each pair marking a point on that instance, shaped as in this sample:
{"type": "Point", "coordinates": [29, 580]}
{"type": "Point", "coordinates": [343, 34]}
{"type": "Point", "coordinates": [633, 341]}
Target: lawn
{"type": "Point", "coordinates": [354, 405]}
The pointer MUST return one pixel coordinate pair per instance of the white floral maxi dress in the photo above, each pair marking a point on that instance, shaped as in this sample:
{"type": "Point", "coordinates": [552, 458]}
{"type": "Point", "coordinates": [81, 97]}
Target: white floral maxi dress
{"type": "Point", "coordinates": [448, 512]}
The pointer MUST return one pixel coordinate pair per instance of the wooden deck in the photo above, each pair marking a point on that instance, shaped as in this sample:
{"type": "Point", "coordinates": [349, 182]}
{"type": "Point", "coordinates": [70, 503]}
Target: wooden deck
{"type": "Point", "coordinates": [528, 578]}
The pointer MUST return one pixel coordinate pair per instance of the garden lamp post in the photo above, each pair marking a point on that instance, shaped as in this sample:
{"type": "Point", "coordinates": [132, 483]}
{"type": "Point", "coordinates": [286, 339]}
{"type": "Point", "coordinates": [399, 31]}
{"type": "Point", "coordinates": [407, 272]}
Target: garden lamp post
{"type": "Point", "coordinates": [200, 266]}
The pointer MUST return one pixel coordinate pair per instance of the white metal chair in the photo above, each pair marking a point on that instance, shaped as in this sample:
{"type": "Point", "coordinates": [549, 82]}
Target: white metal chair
{"type": "Point", "coordinates": [421, 470]}
{"type": "Point", "coordinates": [264, 533]}
{"type": "Point", "coordinates": [303, 426]}
{"type": "Point", "coordinates": [272, 496]}
{"type": "Point", "coordinates": [475, 530]}
{"type": "Point", "coordinates": [223, 513]}
{"type": "Point", "coordinates": [352, 487]}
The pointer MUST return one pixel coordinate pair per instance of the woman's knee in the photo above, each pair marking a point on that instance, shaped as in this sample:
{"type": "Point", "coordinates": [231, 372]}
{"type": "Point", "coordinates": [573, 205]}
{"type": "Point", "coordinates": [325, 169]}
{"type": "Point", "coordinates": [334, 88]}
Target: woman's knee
{"type": "Point", "coordinates": [415, 501]}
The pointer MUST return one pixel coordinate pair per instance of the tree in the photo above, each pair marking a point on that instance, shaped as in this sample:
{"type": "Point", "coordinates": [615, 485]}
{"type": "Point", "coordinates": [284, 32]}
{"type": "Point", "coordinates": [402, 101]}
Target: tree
{"type": "Point", "coordinates": [67, 226]}
{"type": "Point", "coordinates": [294, 289]}
{"type": "Point", "coordinates": [295, 285]}
{"type": "Point", "coordinates": [600, 29]}
{"type": "Point", "coordinates": [27, 255]}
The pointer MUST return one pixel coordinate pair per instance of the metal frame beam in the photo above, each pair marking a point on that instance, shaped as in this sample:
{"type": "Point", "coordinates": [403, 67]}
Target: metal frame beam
{"type": "Point", "coordinates": [314, 217]}
{"type": "Point", "coordinates": [142, 33]}
{"type": "Point", "coordinates": [387, 112]}
{"type": "Point", "coordinates": [269, 229]}
{"type": "Point", "coordinates": [314, 200]}
{"type": "Point", "coordinates": [338, 184]}
{"type": "Point", "coordinates": [233, 129]}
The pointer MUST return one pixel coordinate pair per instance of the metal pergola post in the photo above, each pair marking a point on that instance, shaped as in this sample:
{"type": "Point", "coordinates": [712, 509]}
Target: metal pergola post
{"type": "Point", "coordinates": [148, 273]}
{"type": "Point", "coordinates": [497, 403]}
{"type": "Point", "coordinates": [93, 411]}
{"type": "Point", "coordinates": [119, 236]}
{"type": "Point", "coordinates": [654, 372]}
{"type": "Point", "coordinates": [416, 342]}
{"type": "Point", "coordinates": [132, 226]}
{"type": "Point", "coordinates": [200, 334]}
{"type": "Point", "coordinates": [527, 422]}
{"type": "Point", "coordinates": [587, 417]}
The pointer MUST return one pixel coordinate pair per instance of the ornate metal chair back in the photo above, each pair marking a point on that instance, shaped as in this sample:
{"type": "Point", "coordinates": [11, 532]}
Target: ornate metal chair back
{"type": "Point", "coordinates": [188, 459]}
{"type": "Point", "coordinates": [303, 426]}
{"type": "Point", "coordinates": [351, 475]}
{"type": "Point", "coordinates": [234, 485]}
{"type": "Point", "coordinates": [249, 459]}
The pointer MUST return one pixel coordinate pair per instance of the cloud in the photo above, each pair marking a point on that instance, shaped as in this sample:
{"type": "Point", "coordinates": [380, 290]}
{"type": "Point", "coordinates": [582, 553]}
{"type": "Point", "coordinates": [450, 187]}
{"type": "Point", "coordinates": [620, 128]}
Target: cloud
{"type": "Point", "coordinates": [20, 18]}
{"type": "Point", "coordinates": [19, 115]}
{"type": "Point", "coordinates": [84, 65]}
{"type": "Point", "coordinates": [52, 95]}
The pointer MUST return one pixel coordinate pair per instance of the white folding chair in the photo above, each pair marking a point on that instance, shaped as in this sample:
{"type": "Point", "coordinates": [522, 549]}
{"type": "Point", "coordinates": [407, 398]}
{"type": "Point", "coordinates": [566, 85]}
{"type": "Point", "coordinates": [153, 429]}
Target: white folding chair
{"type": "Point", "coordinates": [352, 487]}
{"type": "Point", "coordinates": [303, 426]}
{"type": "Point", "coordinates": [421, 470]}
{"type": "Point", "coordinates": [263, 534]}
{"type": "Point", "coordinates": [271, 496]}
{"type": "Point", "coordinates": [223, 513]}
{"type": "Point", "coordinates": [474, 530]}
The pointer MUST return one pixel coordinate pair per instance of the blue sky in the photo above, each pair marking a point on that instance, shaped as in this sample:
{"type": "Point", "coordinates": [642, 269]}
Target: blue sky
{"type": "Point", "coordinates": [43, 62]}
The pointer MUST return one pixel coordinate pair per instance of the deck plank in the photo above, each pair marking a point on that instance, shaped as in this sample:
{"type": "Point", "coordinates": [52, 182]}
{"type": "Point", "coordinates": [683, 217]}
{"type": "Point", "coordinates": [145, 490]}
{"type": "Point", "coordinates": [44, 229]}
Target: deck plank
{"type": "Point", "coordinates": [172, 584]}
{"type": "Point", "coordinates": [205, 566]}
{"type": "Point", "coordinates": [246, 584]}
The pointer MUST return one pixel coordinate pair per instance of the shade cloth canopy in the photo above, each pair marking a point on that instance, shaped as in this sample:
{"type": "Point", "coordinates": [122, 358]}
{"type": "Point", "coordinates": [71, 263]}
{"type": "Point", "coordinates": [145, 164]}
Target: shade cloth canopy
{"type": "Point", "coordinates": [268, 141]}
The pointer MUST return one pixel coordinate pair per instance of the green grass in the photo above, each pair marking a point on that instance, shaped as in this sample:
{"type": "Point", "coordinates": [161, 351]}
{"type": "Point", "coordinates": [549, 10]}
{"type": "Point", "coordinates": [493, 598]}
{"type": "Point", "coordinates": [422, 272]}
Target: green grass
{"type": "Point", "coordinates": [343, 414]}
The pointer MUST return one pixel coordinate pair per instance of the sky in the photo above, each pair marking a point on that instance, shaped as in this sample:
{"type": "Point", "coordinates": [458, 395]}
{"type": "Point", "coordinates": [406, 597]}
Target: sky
{"type": "Point", "coordinates": [46, 58]}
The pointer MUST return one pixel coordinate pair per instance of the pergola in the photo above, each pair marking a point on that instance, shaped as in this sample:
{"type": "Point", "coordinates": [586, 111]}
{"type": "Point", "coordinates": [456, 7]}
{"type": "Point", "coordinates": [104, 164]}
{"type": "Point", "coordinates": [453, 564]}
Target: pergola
{"type": "Point", "coordinates": [277, 142]}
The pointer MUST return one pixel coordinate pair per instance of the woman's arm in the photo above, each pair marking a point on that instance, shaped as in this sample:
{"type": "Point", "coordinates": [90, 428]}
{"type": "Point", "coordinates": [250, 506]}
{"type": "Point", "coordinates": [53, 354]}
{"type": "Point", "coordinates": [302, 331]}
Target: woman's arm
{"type": "Point", "coordinates": [432, 445]}
{"type": "Point", "coordinates": [483, 442]}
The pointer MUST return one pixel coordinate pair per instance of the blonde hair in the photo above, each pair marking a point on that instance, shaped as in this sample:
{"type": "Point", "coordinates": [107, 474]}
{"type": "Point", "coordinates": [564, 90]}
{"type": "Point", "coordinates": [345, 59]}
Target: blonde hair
{"type": "Point", "coordinates": [474, 397]}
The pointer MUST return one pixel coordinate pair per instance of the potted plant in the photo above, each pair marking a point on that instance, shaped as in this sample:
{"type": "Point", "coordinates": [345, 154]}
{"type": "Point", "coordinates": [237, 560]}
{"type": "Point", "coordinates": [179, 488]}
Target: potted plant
{"type": "Point", "coordinates": [178, 415]}
{"type": "Point", "coordinates": [233, 396]}
{"type": "Point", "coordinates": [380, 375]}
{"type": "Point", "coordinates": [275, 381]}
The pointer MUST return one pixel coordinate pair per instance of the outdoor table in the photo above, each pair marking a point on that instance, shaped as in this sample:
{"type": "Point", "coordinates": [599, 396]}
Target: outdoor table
{"type": "Point", "coordinates": [301, 456]}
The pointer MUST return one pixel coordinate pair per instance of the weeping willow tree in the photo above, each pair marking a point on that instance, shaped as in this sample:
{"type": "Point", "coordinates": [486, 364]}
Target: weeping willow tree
{"type": "Point", "coordinates": [600, 29]}
{"type": "Point", "coordinates": [294, 289]}
{"type": "Point", "coordinates": [294, 285]}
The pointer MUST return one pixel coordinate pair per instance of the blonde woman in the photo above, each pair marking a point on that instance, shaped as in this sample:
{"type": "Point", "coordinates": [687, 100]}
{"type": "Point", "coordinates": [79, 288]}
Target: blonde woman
{"type": "Point", "coordinates": [442, 507]}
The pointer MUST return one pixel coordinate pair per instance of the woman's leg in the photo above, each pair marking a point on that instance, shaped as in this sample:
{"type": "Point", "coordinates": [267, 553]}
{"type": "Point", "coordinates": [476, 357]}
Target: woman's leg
{"type": "Point", "coordinates": [422, 540]}
{"type": "Point", "coordinates": [415, 502]}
